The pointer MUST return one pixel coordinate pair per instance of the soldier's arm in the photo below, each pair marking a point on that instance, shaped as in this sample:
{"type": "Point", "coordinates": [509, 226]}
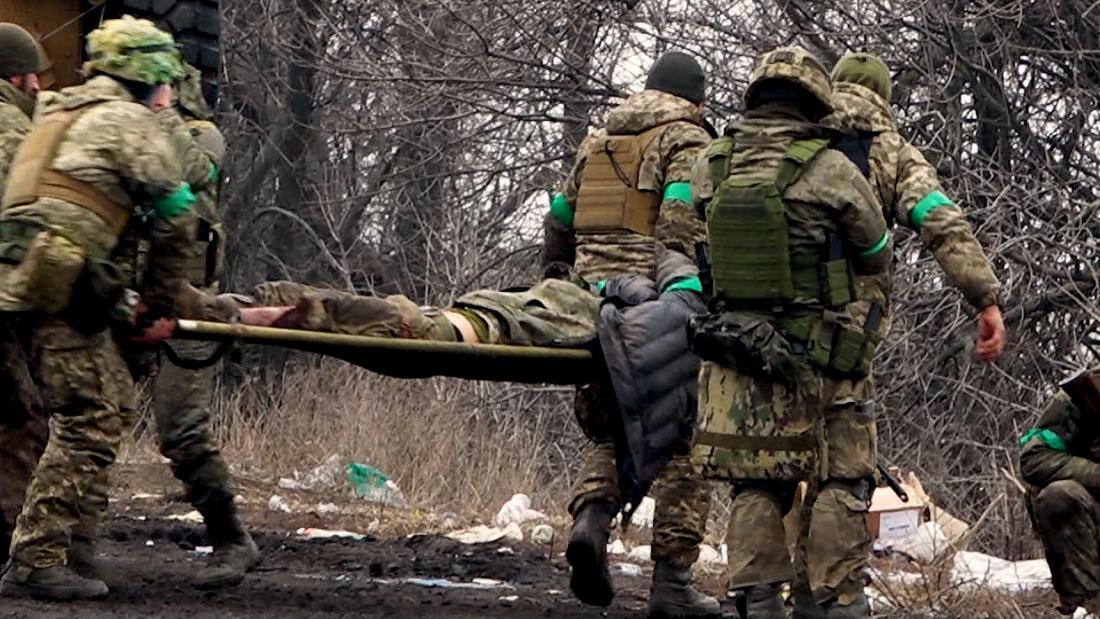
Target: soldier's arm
{"type": "Point", "coordinates": [1046, 458]}
{"type": "Point", "coordinates": [924, 206]}
{"type": "Point", "coordinates": [861, 221]}
{"type": "Point", "coordinates": [559, 242]}
{"type": "Point", "coordinates": [679, 225]}
{"type": "Point", "coordinates": [14, 128]}
{"type": "Point", "coordinates": [196, 164]}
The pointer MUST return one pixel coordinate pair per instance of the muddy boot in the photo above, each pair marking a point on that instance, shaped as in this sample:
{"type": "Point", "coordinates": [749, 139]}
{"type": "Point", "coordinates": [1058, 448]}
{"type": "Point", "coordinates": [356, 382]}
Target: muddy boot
{"type": "Point", "coordinates": [587, 554]}
{"type": "Point", "coordinates": [234, 551]}
{"type": "Point", "coordinates": [857, 607]}
{"type": "Point", "coordinates": [672, 596]}
{"type": "Point", "coordinates": [82, 559]}
{"type": "Point", "coordinates": [762, 602]}
{"type": "Point", "coordinates": [806, 608]}
{"type": "Point", "coordinates": [57, 584]}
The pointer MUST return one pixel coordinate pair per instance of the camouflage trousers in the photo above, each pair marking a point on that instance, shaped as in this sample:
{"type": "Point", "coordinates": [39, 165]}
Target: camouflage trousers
{"type": "Point", "coordinates": [1067, 518]}
{"type": "Point", "coordinates": [181, 406]}
{"type": "Point", "coordinates": [88, 396]}
{"type": "Point", "coordinates": [682, 497]}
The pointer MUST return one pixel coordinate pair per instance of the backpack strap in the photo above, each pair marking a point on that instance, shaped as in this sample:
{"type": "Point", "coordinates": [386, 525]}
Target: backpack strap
{"type": "Point", "coordinates": [856, 146]}
{"type": "Point", "coordinates": [799, 153]}
{"type": "Point", "coordinates": [718, 159]}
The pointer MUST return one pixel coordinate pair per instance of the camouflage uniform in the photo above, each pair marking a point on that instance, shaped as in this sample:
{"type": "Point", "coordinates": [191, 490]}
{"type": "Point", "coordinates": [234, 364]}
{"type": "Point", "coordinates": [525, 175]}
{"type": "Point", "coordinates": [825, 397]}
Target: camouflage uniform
{"type": "Point", "coordinates": [829, 197]}
{"type": "Point", "coordinates": [15, 123]}
{"type": "Point", "coordinates": [114, 150]}
{"type": "Point", "coordinates": [1060, 462]}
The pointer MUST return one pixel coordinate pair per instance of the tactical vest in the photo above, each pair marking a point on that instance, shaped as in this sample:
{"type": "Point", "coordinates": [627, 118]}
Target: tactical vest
{"type": "Point", "coordinates": [609, 199]}
{"type": "Point", "coordinates": [753, 266]}
{"type": "Point", "coordinates": [31, 178]}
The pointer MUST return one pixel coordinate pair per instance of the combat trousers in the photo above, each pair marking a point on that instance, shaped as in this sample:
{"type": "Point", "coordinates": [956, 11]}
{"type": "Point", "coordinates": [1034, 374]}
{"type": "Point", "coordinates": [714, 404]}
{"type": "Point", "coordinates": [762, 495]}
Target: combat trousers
{"type": "Point", "coordinates": [1067, 517]}
{"type": "Point", "coordinates": [88, 395]}
{"type": "Point", "coordinates": [682, 497]}
{"type": "Point", "coordinates": [181, 405]}
{"type": "Point", "coordinates": [834, 544]}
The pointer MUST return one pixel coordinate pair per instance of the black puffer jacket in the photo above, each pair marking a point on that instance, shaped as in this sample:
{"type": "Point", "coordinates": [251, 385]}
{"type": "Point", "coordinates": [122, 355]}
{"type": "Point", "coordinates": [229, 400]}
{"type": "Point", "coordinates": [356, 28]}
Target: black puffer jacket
{"type": "Point", "coordinates": [654, 374]}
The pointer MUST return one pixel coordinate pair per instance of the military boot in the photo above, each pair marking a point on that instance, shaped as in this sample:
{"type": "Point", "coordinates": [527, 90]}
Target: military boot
{"type": "Point", "coordinates": [806, 608]}
{"type": "Point", "coordinates": [849, 607]}
{"type": "Point", "coordinates": [56, 584]}
{"type": "Point", "coordinates": [673, 596]}
{"type": "Point", "coordinates": [762, 602]}
{"type": "Point", "coordinates": [82, 559]}
{"type": "Point", "coordinates": [234, 551]}
{"type": "Point", "coordinates": [587, 554]}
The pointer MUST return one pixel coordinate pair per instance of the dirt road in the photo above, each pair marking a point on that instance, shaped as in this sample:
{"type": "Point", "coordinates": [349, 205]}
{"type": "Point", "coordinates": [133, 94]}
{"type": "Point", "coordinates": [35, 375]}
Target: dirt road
{"type": "Point", "coordinates": [334, 578]}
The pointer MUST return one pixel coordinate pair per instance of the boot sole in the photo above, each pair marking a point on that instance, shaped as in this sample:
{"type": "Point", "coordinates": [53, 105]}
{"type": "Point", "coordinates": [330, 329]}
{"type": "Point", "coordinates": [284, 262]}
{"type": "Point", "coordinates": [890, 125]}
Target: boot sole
{"type": "Point", "coordinates": [20, 590]}
{"type": "Point", "coordinates": [588, 582]}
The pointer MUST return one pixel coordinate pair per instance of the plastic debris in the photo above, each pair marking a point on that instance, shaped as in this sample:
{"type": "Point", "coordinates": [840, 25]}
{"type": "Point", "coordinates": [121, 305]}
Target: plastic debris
{"type": "Point", "coordinates": [542, 534]}
{"type": "Point", "coordinates": [553, 592]}
{"type": "Point", "coordinates": [504, 550]}
{"type": "Point", "coordinates": [643, 516]}
{"type": "Point", "coordinates": [202, 551]}
{"type": "Point", "coordinates": [311, 533]}
{"type": "Point", "coordinates": [443, 583]}
{"type": "Point", "coordinates": [326, 508]}
{"type": "Point", "coordinates": [191, 516]}
{"type": "Point", "coordinates": [616, 547]}
{"type": "Point", "coordinates": [640, 553]}
{"type": "Point", "coordinates": [482, 534]}
{"type": "Point", "coordinates": [286, 483]}
{"type": "Point", "coordinates": [517, 511]}
{"type": "Point", "coordinates": [145, 496]}
{"type": "Point", "coordinates": [278, 504]}
{"type": "Point", "coordinates": [1081, 613]}
{"type": "Point", "coordinates": [150, 543]}
{"type": "Point", "coordinates": [509, 598]}
{"type": "Point", "coordinates": [371, 484]}
{"type": "Point", "coordinates": [1013, 576]}
{"type": "Point", "coordinates": [710, 554]}
{"type": "Point", "coordinates": [629, 569]}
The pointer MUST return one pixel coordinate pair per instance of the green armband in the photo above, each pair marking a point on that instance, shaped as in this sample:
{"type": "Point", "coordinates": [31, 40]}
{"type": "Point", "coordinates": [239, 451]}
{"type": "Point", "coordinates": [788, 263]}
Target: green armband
{"type": "Point", "coordinates": [678, 191]}
{"type": "Point", "coordinates": [927, 204]}
{"type": "Point", "coordinates": [176, 203]}
{"type": "Point", "coordinates": [213, 176]}
{"type": "Point", "coordinates": [1048, 437]}
{"type": "Point", "coordinates": [881, 245]}
{"type": "Point", "coordinates": [688, 283]}
{"type": "Point", "coordinates": [562, 210]}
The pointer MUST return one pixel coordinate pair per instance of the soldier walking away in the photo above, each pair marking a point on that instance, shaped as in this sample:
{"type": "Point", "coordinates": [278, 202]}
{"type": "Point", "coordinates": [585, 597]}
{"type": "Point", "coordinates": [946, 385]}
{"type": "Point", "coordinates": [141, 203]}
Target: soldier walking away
{"type": "Point", "coordinates": [21, 59]}
{"type": "Point", "coordinates": [791, 222]}
{"type": "Point", "coordinates": [911, 194]}
{"type": "Point", "coordinates": [1061, 464]}
{"type": "Point", "coordinates": [94, 151]}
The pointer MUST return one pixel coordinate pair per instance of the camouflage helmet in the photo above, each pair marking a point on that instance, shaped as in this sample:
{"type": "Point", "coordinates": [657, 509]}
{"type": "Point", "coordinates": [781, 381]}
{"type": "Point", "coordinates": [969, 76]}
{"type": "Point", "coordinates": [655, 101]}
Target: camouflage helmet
{"type": "Point", "coordinates": [189, 94]}
{"type": "Point", "coordinates": [796, 65]}
{"type": "Point", "coordinates": [135, 50]}
{"type": "Point", "coordinates": [866, 70]}
{"type": "Point", "coordinates": [20, 53]}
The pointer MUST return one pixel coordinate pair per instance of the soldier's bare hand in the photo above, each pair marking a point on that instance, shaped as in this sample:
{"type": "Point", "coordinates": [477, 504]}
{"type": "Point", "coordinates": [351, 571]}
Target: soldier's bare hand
{"type": "Point", "coordinates": [991, 334]}
{"type": "Point", "coordinates": [162, 329]}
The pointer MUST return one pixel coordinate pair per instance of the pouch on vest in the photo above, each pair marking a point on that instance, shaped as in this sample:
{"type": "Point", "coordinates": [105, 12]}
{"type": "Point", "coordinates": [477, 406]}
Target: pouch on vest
{"type": "Point", "coordinates": [756, 430]}
{"type": "Point", "coordinates": [45, 277]}
{"type": "Point", "coordinates": [609, 199]}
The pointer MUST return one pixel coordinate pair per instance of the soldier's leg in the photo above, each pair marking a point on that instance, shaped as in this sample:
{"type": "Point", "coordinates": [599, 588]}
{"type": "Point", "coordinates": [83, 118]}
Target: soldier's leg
{"type": "Point", "coordinates": [596, 498]}
{"type": "Point", "coordinates": [21, 445]}
{"type": "Point", "coordinates": [181, 405]}
{"type": "Point", "coordinates": [835, 545]}
{"type": "Point", "coordinates": [1067, 518]}
{"type": "Point", "coordinates": [758, 558]}
{"type": "Point", "coordinates": [680, 520]}
{"type": "Point", "coordinates": [88, 392]}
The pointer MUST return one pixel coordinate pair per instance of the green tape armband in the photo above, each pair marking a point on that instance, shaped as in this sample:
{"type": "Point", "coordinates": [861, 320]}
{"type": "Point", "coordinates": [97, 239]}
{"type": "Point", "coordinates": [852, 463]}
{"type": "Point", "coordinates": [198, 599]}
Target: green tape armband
{"type": "Point", "coordinates": [881, 245]}
{"type": "Point", "coordinates": [601, 285]}
{"type": "Point", "coordinates": [213, 176]}
{"type": "Point", "coordinates": [176, 203]}
{"type": "Point", "coordinates": [678, 191]}
{"type": "Point", "coordinates": [562, 210]}
{"type": "Point", "coordinates": [927, 204]}
{"type": "Point", "coordinates": [1048, 437]}
{"type": "Point", "coordinates": [688, 283]}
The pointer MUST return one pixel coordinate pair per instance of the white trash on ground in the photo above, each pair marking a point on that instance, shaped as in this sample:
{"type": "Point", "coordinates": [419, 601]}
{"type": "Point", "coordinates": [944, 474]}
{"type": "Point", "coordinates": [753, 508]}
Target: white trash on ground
{"type": "Point", "coordinates": [710, 555]}
{"type": "Point", "coordinates": [643, 516]}
{"type": "Point", "coordinates": [482, 534]}
{"type": "Point", "coordinates": [640, 553]}
{"type": "Point", "coordinates": [517, 510]}
{"type": "Point", "coordinates": [192, 516]}
{"type": "Point", "coordinates": [311, 533]}
{"type": "Point", "coordinates": [278, 504]}
{"type": "Point", "coordinates": [325, 475]}
{"type": "Point", "coordinates": [629, 569]}
{"type": "Point", "coordinates": [928, 543]}
{"type": "Point", "coordinates": [542, 534]}
{"type": "Point", "coordinates": [616, 547]}
{"type": "Point", "coordinates": [1012, 576]}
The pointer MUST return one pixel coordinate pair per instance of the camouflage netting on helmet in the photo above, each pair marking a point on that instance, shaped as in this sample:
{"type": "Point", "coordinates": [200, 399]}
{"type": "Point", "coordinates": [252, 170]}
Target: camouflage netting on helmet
{"type": "Point", "coordinates": [797, 65]}
{"type": "Point", "coordinates": [135, 50]}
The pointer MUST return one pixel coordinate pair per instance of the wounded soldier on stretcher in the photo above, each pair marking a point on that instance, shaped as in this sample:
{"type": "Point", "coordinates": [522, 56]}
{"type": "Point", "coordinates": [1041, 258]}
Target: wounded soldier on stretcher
{"type": "Point", "coordinates": [560, 311]}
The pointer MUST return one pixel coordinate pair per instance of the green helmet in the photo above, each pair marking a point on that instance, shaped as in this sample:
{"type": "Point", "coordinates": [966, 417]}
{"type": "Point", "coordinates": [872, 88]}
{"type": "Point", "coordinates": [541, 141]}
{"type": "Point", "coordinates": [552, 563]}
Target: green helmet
{"type": "Point", "coordinates": [189, 94]}
{"type": "Point", "coordinates": [20, 54]}
{"type": "Point", "coordinates": [866, 70]}
{"type": "Point", "coordinates": [135, 50]}
{"type": "Point", "coordinates": [797, 65]}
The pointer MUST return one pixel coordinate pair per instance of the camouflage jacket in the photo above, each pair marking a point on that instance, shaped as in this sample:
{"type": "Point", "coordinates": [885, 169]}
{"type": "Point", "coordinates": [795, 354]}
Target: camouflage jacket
{"type": "Point", "coordinates": [15, 123]}
{"type": "Point", "coordinates": [831, 195]}
{"type": "Point", "coordinates": [1063, 445]}
{"type": "Point", "coordinates": [118, 147]}
{"type": "Point", "coordinates": [910, 192]}
{"type": "Point", "coordinates": [667, 162]}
